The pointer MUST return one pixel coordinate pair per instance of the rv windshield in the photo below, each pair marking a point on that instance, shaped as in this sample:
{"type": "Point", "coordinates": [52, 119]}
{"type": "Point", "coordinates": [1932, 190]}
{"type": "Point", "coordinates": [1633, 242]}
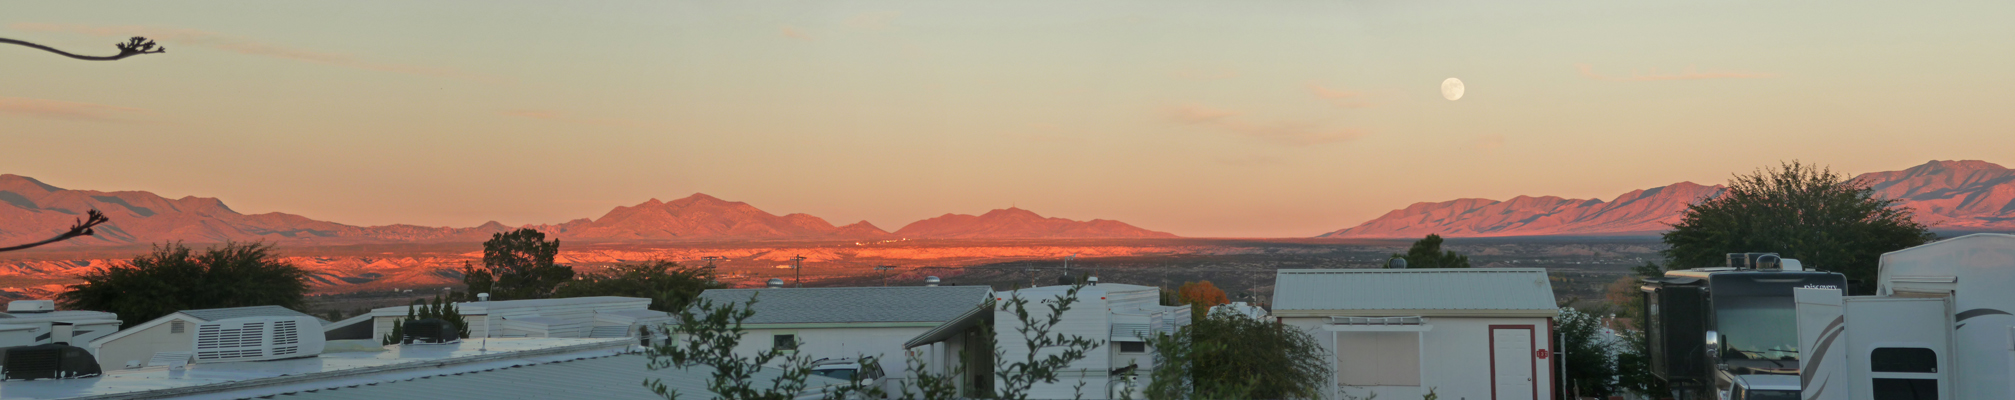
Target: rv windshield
{"type": "Point", "coordinates": [1758, 328]}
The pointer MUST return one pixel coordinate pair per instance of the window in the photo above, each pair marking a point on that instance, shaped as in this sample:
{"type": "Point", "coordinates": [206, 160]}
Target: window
{"type": "Point", "coordinates": [1903, 359]}
{"type": "Point", "coordinates": [175, 327]}
{"type": "Point", "coordinates": [1378, 358]}
{"type": "Point", "coordinates": [1904, 373]}
{"type": "Point", "coordinates": [1132, 347]}
{"type": "Point", "coordinates": [785, 342]}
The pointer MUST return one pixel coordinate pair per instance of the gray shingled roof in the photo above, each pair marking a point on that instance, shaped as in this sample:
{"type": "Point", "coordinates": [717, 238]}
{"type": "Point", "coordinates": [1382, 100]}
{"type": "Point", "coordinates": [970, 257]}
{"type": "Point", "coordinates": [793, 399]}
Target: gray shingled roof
{"type": "Point", "coordinates": [214, 314]}
{"type": "Point", "coordinates": [1413, 289]}
{"type": "Point", "coordinates": [857, 304]}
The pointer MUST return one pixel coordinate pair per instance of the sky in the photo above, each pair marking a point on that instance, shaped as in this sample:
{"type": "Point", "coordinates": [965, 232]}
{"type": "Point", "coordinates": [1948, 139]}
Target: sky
{"type": "Point", "coordinates": [1199, 118]}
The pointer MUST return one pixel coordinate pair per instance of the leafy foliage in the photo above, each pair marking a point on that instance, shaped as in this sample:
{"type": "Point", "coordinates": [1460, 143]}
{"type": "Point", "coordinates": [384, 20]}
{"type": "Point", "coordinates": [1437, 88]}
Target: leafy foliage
{"type": "Point", "coordinates": [708, 334]}
{"type": "Point", "coordinates": [1049, 352]}
{"type": "Point", "coordinates": [518, 265]}
{"type": "Point", "coordinates": [132, 47]}
{"type": "Point", "coordinates": [83, 227]}
{"type": "Point", "coordinates": [1590, 354]}
{"type": "Point", "coordinates": [1427, 253]}
{"type": "Point", "coordinates": [1799, 211]}
{"type": "Point", "coordinates": [173, 278]}
{"type": "Point", "coordinates": [670, 287]}
{"type": "Point", "coordinates": [1200, 296]}
{"type": "Point", "coordinates": [1233, 356]}
{"type": "Point", "coordinates": [444, 309]}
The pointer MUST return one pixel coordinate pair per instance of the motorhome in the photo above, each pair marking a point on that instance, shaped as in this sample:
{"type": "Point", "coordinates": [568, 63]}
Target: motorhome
{"type": "Point", "coordinates": [1727, 332]}
{"type": "Point", "coordinates": [1938, 327]}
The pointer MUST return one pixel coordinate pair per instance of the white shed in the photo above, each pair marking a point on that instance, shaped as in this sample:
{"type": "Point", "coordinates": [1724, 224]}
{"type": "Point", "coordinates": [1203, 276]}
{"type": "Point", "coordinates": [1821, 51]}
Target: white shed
{"type": "Point", "coordinates": [573, 317]}
{"type": "Point", "coordinates": [1465, 333]}
{"type": "Point", "coordinates": [848, 322]}
{"type": "Point", "coordinates": [1121, 315]}
{"type": "Point", "coordinates": [170, 334]}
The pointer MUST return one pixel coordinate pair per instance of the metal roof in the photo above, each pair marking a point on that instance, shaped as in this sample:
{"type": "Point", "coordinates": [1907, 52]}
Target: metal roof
{"type": "Point", "coordinates": [608, 377]}
{"type": "Point", "coordinates": [856, 304]}
{"type": "Point", "coordinates": [1448, 289]}
{"type": "Point", "coordinates": [216, 314]}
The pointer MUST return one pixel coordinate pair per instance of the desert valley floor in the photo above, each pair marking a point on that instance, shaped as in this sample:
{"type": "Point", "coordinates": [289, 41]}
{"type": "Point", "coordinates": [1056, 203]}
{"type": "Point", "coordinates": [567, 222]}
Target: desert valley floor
{"type": "Point", "coordinates": [350, 277]}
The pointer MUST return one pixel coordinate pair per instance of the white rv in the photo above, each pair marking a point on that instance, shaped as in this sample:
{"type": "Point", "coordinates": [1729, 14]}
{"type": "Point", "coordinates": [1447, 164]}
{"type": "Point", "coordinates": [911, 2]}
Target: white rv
{"type": "Point", "coordinates": [1938, 327]}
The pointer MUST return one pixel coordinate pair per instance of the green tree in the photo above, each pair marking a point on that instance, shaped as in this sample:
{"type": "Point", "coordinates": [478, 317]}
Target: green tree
{"type": "Point", "coordinates": [670, 287]}
{"type": "Point", "coordinates": [1427, 253]}
{"type": "Point", "coordinates": [1590, 355]}
{"type": "Point", "coordinates": [518, 265]}
{"type": "Point", "coordinates": [173, 278]}
{"type": "Point", "coordinates": [1801, 211]}
{"type": "Point", "coordinates": [1233, 356]}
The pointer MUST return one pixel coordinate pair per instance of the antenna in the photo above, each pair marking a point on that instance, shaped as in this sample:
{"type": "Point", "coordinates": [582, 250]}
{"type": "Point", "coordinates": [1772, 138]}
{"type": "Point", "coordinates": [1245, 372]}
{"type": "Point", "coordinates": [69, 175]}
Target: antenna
{"type": "Point", "coordinates": [715, 276]}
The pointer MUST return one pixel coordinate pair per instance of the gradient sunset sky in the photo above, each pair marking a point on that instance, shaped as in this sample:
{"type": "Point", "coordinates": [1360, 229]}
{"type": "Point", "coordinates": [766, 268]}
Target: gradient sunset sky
{"type": "Point", "coordinates": [1200, 118]}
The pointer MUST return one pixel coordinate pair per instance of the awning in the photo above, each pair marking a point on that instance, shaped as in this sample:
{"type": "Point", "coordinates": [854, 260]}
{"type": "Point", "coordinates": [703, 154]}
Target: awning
{"type": "Point", "coordinates": [969, 319]}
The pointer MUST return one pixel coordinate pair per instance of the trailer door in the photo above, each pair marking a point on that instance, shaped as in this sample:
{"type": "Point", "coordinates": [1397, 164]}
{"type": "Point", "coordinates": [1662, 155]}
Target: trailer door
{"type": "Point", "coordinates": [1512, 363]}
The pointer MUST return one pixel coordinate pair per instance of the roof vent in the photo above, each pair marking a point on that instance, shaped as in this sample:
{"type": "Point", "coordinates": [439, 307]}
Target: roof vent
{"type": "Point", "coordinates": [1395, 263]}
{"type": "Point", "coordinates": [31, 306]}
{"type": "Point", "coordinates": [431, 331]}
{"type": "Point", "coordinates": [931, 281]}
{"type": "Point", "coordinates": [776, 283]}
{"type": "Point", "coordinates": [258, 339]}
{"type": "Point", "coordinates": [49, 361]}
{"type": "Point", "coordinates": [482, 297]}
{"type": "Point", "coordinates": [1091, 281]}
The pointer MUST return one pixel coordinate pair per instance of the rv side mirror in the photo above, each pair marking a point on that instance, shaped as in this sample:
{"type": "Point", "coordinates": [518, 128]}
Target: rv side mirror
{"type": "Point", "coordinates": [1713, 346]}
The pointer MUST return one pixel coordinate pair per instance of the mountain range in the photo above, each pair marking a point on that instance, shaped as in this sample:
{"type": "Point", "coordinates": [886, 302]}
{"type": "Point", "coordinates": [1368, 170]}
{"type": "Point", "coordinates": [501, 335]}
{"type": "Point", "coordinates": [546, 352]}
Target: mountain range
{"type": "Point", "coordinates": [31, 210]}
{"type": "Point", "coordinates": [1947, 195]}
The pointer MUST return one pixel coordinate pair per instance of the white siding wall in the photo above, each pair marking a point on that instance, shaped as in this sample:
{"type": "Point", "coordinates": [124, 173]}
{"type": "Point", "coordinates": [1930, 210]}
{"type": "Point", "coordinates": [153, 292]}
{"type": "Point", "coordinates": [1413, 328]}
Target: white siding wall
{"type": "Point", "coordinates": [1455, 357]}
{"type": "Point", "coordinates": [1087, 318]}
{"type": "Point", "coordinates": [141, 345]}
{"type": "Point", "coordinates": [816, 343]}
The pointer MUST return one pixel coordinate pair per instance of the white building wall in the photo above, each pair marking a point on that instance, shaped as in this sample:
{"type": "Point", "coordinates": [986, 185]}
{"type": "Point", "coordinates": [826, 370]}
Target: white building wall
{"type": "Point", "coordinates": [885, 344]}
{"type": "Point", "coordinates": [142, 344]}
{"type": "Point", "coordinates": [1088, 318]}
{"type": "Point", "coordinates": [1455, 357]}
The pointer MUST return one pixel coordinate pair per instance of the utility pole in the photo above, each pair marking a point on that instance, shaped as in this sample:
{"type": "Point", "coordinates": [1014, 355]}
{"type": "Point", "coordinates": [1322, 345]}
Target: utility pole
{"type": "Point", "coordinates": [799, 267]}
{"type": "Point", "coordinates": [715, 275]}
{"type": "Point", "coordinates": [885, 273]}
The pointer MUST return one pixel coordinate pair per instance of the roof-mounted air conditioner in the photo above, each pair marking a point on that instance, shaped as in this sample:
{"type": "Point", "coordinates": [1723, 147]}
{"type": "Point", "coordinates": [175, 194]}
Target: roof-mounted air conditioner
{"type": "Point", "coordinates": [257, 339]}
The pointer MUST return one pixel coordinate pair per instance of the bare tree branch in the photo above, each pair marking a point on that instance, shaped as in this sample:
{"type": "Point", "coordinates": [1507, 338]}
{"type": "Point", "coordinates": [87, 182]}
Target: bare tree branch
{"type": "Point", "coordinates": [82, 228]}
{"type": "Point", "coordinates": [132, 47]}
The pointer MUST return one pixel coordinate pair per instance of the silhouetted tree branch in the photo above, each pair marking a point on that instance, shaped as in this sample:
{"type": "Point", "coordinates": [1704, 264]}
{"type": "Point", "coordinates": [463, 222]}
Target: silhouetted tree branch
{"type": "Point", "coordinates": [132, 47]}
{"type": "Point", "coordinates": [82, 228]}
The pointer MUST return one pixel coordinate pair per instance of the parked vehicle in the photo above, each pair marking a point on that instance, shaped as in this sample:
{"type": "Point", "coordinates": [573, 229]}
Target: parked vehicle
{"type": "Point", "coordinates": [1938, 327]}
{"type": "Point", "coordinates": [867, 370]}
{"type": "Point", "coordinates": [1728, 332]}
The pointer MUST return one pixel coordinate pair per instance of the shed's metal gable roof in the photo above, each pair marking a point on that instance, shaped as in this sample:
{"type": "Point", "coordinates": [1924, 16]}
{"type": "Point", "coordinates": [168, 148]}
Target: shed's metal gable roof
{"type": "Point", "coordinates": [614, 377]}
{"type": "Point", "coordinates": [1413, 289]}
{"type": "Point", "coordinates": [858, 304]}
{"type": "Point", "coordinates": [217, 314]}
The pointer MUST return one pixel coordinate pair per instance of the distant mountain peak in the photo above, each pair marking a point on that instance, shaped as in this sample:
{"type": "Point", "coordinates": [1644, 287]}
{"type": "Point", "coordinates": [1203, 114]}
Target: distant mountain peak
{"type": "Point", "coordinates": [1953, 195]}
{"type": "Point", "coordinates": [1014, 222]}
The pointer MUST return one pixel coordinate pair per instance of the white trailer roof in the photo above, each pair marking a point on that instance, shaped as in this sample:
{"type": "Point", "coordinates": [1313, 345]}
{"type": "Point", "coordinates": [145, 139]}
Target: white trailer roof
{"type": "Point", "coordinates": [1421, 291]}
{"type": "Point", "coordinates": [1986, 258]}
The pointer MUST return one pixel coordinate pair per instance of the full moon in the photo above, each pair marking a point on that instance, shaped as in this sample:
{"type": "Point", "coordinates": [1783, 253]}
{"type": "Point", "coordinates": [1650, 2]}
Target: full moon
{"type": "Point", "coordinates": [1451, 89]}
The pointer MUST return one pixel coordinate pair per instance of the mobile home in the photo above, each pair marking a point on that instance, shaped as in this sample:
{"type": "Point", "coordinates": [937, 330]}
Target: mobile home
{"type": "Point", "coordinates": [1938, 327]}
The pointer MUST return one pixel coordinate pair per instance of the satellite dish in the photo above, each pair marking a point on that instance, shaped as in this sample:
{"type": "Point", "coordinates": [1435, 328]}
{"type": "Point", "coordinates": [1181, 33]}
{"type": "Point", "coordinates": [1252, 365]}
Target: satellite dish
{"type": "Point", "coordinates": [1396, 263]}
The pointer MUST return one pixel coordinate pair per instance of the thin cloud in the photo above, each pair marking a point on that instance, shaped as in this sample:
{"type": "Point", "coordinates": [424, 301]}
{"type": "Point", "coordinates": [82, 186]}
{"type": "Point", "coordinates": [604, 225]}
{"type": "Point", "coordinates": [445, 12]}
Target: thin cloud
{"type": "Point", "coordinates": [66, 110]}
{"type": "Point", "coordinates": [556, 116]}
{"type": "Point", "coordinates": [794, 33]}
{"type": "Point", "coordinates": [874, 21]}
{"type": "Point", "coordinates": [1490, 142]}
{"type": "Point", "coordinates": [1339, 98]}
{"type": "Point", "coordinates": [1283, 132]}
{"type": "Point", "coordinates": [1588, 71]}
{"type": "Point", "coordinates": [192, 37]}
